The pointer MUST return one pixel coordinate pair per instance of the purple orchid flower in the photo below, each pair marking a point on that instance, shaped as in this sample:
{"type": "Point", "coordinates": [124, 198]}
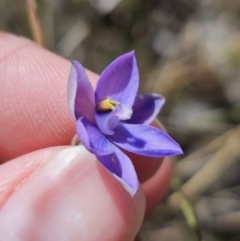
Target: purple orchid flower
{"type": "Point", "coordinates": [115, 118]}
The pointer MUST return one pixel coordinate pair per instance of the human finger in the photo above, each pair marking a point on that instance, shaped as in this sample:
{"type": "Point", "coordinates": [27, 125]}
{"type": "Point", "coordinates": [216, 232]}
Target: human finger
{"type": "Point", "coordinates": [67, 195]}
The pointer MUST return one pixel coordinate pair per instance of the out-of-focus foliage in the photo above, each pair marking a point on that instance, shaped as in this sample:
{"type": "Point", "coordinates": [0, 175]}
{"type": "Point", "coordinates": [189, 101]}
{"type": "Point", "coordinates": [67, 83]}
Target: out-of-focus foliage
{"type": "Point", "coordinates": [188, 51]}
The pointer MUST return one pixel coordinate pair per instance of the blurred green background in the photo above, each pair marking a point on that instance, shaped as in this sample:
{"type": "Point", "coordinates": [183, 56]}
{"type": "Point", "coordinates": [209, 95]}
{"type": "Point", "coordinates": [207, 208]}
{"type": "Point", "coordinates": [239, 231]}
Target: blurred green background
{"type": "Point", "coordinates": [188, 51]}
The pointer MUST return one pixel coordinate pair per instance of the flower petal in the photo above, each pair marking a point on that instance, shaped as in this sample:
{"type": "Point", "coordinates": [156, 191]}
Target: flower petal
{"type": "Point", "coordinates": [144, 140]}
{"type": "Point", "coordinates": [92, 138]}
{"type": "Point", "coordinates": [106, 122]}
{"type": "Point", "coordinates": [129, 175]}
{"type": "Point", "coordinates": [119, 164]}
{"type": "Point", "coordinates": [146, 108]}
{"type": "Point", "coordinates": [80, 93]}
{"type": "Point", "coordinates": [111, 163]}
{"type": "Point", "coordinates": [119, 81]}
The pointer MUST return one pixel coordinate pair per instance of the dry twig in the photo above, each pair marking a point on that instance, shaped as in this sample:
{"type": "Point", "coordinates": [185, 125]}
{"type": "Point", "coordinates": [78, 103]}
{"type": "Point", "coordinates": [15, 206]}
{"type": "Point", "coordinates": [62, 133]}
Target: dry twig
{"type": "Point", "coordinates": [211, 171]}
{"type": "Point", "coordinates": [210, 148]}
{"type": "Point", "coordinates": [34, 22]}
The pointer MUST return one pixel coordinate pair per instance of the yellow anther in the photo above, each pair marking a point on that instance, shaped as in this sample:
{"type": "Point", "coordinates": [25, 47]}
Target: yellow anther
{"type": "Point", "coordinates": [113, 102]}
{"type": "Point", "coordinates": [106, 105]}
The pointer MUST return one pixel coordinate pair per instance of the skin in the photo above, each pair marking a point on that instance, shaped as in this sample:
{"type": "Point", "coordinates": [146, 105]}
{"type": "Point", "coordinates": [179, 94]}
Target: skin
{"type": "Point", "coordinates": [49, 190]}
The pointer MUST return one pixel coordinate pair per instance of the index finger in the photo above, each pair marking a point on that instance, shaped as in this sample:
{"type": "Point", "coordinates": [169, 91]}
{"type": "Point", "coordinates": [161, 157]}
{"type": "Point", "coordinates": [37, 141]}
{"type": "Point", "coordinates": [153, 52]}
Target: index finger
{"type": "Point", "coordinates": [33, 111]}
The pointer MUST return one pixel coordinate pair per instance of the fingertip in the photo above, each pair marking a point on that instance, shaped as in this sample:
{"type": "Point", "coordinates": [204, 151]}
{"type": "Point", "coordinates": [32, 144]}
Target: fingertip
{"type": "Point", "coordinates": [67, 196]}
{"type": "Point", "coordinates": [145, 167]}
{"type": "Point", "coordinates": [156, 187]}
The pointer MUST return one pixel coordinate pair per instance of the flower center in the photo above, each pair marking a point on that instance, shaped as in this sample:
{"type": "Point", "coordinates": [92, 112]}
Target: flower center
{"type": "Point", "coordinates": [123, 112]}
{"type": "Point", "coordinates": [106, 105]}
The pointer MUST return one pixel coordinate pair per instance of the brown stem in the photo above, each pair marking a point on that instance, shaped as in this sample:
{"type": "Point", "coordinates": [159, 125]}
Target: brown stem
{"type": "Point", "coordinates": [225, 157]}
{"type": "Point", "coordinates": [34, 22]}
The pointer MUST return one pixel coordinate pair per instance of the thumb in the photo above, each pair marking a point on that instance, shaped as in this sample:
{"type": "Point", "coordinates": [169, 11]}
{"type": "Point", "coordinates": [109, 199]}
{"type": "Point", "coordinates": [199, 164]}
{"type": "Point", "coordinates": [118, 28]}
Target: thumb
{"type": "Point", "coordinates": [62, 193]}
